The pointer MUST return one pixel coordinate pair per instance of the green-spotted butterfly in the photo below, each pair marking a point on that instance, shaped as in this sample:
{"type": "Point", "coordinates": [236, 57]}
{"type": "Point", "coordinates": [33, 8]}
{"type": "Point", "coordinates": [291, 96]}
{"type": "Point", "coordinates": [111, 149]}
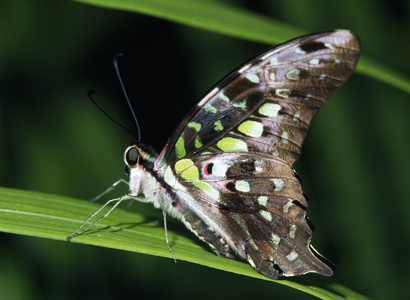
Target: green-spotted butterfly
{"type": "Point", "coordinates": [226, 172]}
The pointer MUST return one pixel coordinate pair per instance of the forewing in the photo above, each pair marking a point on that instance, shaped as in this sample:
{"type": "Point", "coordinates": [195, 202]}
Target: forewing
{"type": "Point", "coordinates": [267, 105]}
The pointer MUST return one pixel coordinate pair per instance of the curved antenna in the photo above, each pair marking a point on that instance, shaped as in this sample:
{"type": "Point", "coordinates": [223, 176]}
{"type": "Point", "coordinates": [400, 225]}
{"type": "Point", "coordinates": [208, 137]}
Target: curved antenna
{"type": "Point", "coordinates": [93, 91]}
{"type": "Point", "coordinates": [115, 62]}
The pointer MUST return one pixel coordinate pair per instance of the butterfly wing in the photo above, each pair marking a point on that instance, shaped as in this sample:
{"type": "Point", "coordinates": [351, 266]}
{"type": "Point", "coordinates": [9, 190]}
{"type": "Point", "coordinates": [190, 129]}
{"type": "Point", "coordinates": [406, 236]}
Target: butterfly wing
{"type": "Point", "coordinates": [229, 163]}
{"type": "Point", "coordinates": [252, 204]}
{"type": "Point", "coordinates": [267, 104]}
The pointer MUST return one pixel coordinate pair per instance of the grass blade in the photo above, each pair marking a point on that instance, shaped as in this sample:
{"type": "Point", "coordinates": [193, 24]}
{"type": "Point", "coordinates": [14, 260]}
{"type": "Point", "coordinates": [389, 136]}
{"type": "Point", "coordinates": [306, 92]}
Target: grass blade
{"type": "Point", "coordinates": [56, 217]}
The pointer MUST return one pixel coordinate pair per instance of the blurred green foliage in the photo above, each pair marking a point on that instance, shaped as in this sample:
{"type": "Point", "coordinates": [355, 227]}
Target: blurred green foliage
{"type": "Point", "coordinates": [354, 166]}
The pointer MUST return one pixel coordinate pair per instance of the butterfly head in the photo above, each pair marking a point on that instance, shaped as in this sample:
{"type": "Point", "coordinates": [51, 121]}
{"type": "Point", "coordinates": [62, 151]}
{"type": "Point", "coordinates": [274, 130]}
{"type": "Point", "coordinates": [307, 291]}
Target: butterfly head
{"type": "Point", "coordinates": [136, 157]}
{"type": "Point", "coordinates": [139, 162]}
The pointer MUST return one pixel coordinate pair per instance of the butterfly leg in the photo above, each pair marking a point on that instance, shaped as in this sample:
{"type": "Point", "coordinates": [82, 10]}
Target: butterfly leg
{"type": "Point", "coordinates": [110, 188]}
{"type": "Point", "coordinates": [117, 201]}
{"type": "Point", "coordinates": [160, 200]}
{"type": "Point", "coordinates": [166, 234]}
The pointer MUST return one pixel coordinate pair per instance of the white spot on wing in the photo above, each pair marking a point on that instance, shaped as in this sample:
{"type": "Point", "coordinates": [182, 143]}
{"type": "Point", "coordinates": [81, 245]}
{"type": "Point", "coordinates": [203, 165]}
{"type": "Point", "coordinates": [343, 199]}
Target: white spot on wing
{"type": "Point", "coordinates": [242, 186]}
{"type": "Point", "coordinates": [292, 231]}
{"type": "Point", "coordinates": [253, 78]}
{"type": "Point", "coordinates": [300, 51]}
{"type": "Point", "coordinates": [287, 206]}
{"type": "Point", "coordinates": [285, 137]}
{"type": "Point", "coordinates": [220, 167]}
{"type": "Point", "coordinates": [207, 97]}
{"type": "Point", "coordinates": [279, 184]}
{"type": "Point", "coordinates": [169, 176]}
{"type": "Point", "coordinates": [244, 68]}
{"type": "Point", "coordinates": [170, 179]}
{"type": "Point", "coordinates": [253, 244]}
{"type": "Point", "coordinates": [266, 215]}
{"type": "Point", "coordinates": [275, 239]}
{"type": "Point", "coordinates": [293, 74]}
{"type": "Point", "coordinates": [296, 116]}
{"type": "Point", "coordinates": [292, 256]}
{"type": "Point", "coordinates": [262, 200]}
{"type": "Point", "coordinates": [283, 93]}
{"type": "Point", "coordinates": [266, 55]}
{"type": "Point", "coordinates": [259, 166]}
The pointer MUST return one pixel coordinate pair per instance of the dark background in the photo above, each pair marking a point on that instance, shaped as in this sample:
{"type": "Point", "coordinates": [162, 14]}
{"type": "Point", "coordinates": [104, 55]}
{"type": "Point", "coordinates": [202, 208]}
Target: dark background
{"type": "Point", "coordinates": [354, 165]}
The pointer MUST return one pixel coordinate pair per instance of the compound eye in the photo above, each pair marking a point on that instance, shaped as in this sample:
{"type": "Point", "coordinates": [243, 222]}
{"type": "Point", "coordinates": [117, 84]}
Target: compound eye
{"type": "Point", "coordinates": [131, 156]}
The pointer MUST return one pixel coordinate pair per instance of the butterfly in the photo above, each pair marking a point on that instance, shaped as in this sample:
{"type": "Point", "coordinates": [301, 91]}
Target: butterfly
{"type": "Point", "coordinates": [227, 170]}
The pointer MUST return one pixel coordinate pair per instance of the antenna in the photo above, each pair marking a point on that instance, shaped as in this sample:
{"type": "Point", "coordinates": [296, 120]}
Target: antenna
{"type": "Point", "coordinates": [115, 62]}
{"type": "Point", "coordinates": [90, 94]}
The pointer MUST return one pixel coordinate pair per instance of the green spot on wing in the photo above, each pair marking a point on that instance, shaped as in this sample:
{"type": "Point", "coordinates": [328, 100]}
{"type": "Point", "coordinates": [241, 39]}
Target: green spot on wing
{"type": "Point", "coordinates": [218, 126]}
{"type": "Point", "coordinates": [180, 147]}
{"type": "Point", "coordinates": [241, 104]}
{"type": "Point", "coordinates": [223, 97]}
{"type": "Point", "coordinates": [191, 174]}
{"type": "Point", "coordinates": [183, 164]}
{"type": "Point", "coordinates": [269, 109]}
{"type": "Point", "coordinates": [195, 126]}
{"type": "Point", "coordinates": [207, 188]}
{"type": "Point", "coordinates": [198, 143]}
{"type": "Point", "coordinates": [211, 108]}
{"type": "Point", "coordinates": [187, 169]}
{"type": "Point", "coordinates": [229, 144]}
{"type": "Point", "coordinates": [251, 128]}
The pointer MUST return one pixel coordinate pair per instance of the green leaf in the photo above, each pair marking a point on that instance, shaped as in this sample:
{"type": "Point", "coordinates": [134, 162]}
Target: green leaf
{"type": "Point", "coordinates": [213, 16]}
{"type": "Point", "coordinates": [56, 217]}
{"type": "Point", "coordinates": [222, 18]}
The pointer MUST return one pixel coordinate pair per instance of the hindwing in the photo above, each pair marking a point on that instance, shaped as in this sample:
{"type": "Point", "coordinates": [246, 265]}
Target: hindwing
{"type": "Point", "coordinates": [254, 203]}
